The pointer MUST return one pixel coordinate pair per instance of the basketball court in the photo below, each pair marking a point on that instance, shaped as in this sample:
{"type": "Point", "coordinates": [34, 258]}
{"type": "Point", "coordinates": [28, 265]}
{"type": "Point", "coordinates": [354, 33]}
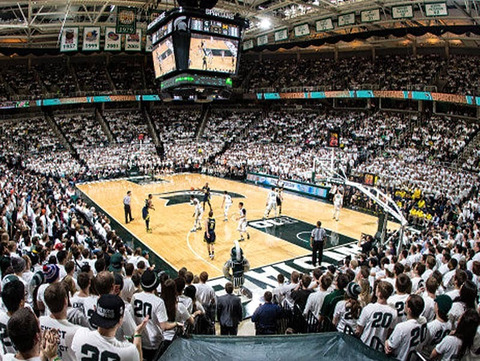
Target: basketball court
{"type": "Point", "coordinates": [277, 245]}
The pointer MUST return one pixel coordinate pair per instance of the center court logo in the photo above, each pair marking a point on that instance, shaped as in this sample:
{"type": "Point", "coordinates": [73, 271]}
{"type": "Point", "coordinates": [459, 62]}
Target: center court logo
{"type": "Point", "coordinates": [183, 196]}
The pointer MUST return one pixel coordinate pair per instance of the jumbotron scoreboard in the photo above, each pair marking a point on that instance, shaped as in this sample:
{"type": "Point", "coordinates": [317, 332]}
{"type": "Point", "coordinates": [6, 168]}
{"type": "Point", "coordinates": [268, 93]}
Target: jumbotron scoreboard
{"type": "Point", "coordinates": [196, 51]}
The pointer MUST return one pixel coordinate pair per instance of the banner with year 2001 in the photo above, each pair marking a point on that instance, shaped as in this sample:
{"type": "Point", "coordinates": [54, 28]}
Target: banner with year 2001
{"type": "Point", "coordinates": [113, 41]}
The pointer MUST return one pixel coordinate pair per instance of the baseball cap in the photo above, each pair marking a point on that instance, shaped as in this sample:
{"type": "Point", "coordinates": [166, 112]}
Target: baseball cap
{"type": "Point", "coordinates": [18, 264]}
{"type": "Point", "coordinates": [115, 262]}
{"type": "Point", "coordinates": [109, 311]}
{"type": "Point", "coordinates": [353, 290]}
{"type": "Point", "coordinates": [444, 303]}
{"type": "Point", "coordinates": [149, 280]}
{"type": "Point", "coordinates": [51, 272]}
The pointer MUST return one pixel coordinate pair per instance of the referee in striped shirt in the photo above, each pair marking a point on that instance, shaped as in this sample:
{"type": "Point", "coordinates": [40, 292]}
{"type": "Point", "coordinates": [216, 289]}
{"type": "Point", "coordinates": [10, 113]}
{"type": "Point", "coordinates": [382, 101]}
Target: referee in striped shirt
{"type": "Point", "coordinates": [317, 239]}
{"type": "Point", "coordinates": [126, 206]}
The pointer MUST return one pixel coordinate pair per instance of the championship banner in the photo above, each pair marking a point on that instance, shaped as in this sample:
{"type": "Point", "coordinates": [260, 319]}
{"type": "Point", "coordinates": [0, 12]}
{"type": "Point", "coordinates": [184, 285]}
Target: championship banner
{"type": "Point", "coordinates": [113, 41]}
{"type": "Point", "coordinates": [91, 38]}
{"type": "Point", "coordinates": [346, 19]}
{"type": "Point", "coordinates": [402, 12]}
{"type": "Point", "coordinates": [133, 42]}
{"type": "Point", "coordinates": [436, 9]}
{"type": "Point", "coordinates": [69, 41]}
{"type": "Point", "coordinates": [281, 35]}
{"type": "Point", "coordinates": [148, 44]}
{"type": "Point", "coordinates": [369, 16]}
{"type": "Point", "coordinates": [301, 30]}
{"type": "Point", "coordinates": [324, 25]}
{"type": "Point", "coordinates": [262, 40]}
{"type": "Point", "coordinates": [126, 20]}
{"type": "Point", "coordinates": [248, 44]}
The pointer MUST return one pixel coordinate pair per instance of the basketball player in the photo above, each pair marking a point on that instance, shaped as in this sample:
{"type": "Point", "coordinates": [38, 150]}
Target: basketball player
{"type": "Point", "coordinates": [242, 222]}
{"type": "Point", "coordinates": [210, 236]}
{"type": "Point", "coordinates": [198, 213]}
{"type": "Point", "coordinates": [337, 204]}
{"type": "Point", "coordinates": [206, 196]}
{"type": "Point", "coordinates": [271, 203]}
{"type": "Point", "coordinates": [279, 200]}
{"type": "Point", "coordinates": [226, 204]}
{"type": "Point", "coordinates": [146, 212]}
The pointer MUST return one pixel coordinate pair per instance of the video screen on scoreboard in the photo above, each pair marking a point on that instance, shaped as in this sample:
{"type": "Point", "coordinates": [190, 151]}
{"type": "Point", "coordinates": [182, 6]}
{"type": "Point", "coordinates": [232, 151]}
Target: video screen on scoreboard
{"type": "Point", "coordinates": [164, 58]}
{"type": "Point", "coordinates": [213, 53]}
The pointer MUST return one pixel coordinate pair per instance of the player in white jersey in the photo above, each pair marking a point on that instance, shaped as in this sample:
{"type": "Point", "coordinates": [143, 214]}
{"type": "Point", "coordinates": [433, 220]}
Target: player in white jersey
{"type": "Point", "coordinates": [409, 336]}
{"type": "Point", "coordinates": [145, 304]}
{"type": "Point", "coordinates": [197, 213]}
{"type": "Point", "coordinates": [242, 221]}
{"type": "Point", "coordinates": [271, 203]}
{"type": "Point", "coordinates": [13, 297]}
{"type": "Point", "coordinates": [57, 302]}
{"type": "Point", "coordinates": [226, 204]}
{"type": "Point", "coordinates": [376, 319]}
{"type": "Point", "coordinates": [102, 344]}
{"type": "Point", "coordinates": [337, 205]}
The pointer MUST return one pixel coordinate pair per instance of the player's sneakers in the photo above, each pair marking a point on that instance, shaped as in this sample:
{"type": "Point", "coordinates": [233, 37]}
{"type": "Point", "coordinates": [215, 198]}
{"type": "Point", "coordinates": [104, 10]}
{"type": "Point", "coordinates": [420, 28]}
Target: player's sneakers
{"type": "Point", "coordinates": [225, 219]}
{"type": "Point", "coordinates": [241, 239]}
{"type": "Point", "coordinates": [149, 230]}
{"type": "Point", "coordinates": [199, 228]}
{"type": "Point", "coordinates": [193, 230]}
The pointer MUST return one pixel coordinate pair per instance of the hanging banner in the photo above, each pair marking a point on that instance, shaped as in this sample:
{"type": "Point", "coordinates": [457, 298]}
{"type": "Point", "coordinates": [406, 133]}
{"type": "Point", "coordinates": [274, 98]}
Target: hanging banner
{"type": "Point", "coordinates": [148, 44]}
{"type": "Point", "coordinates": [281, 35]}
{"type": "Point", "coordinates": [113, 41]}
{"type": "Point", "coordinates": [436, 9]}
{"type": "Point", "coordinates": [402, 12]}
{"type": "Point", "coordinates": [301, 30]}
{"type": "Point", "coordinates": [324, 25]}
{"type": "Point", "coordinates": [91, 38]}
{"type": "Point", "coordinates": [69, 40]}
{"type": "Point", "coordinates": [248, 44]}
{"type": "Point", "coordinates": [133, 42]}
{"type": "Point", "coordinates": [262, 40]}
{"type": "Point", "coordinates": [126, 20]}
{"type": "Point", "coordinates": [347, 19]}
{"type": "Point", "coordinates": [369, 16]}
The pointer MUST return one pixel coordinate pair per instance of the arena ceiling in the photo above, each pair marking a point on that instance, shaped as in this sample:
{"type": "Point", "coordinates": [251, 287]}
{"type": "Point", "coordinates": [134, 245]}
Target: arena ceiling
{"type": "Point", "coordinates": [37, 24]}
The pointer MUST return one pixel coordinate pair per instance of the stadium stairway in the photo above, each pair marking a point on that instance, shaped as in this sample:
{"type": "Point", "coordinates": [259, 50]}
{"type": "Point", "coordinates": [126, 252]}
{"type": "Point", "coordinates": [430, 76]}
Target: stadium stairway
{"type": "Point", "coordinates": [105, 127]}
{"type": "Point", "coordinates": [153, 132]}
{"type": "Point", "coordinates": [206, 110]}
{"type": "Point", "coordinates": [72, 71]}
{"type": "Point", "coordinates": [473, 145]}
{"type": "Point", "coordinates": [61, 135]}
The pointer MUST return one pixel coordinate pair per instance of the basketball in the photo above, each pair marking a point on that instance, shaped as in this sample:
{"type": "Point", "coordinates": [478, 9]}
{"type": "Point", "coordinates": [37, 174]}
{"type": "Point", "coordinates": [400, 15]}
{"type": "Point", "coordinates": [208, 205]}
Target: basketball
{"type": "Point", "coordinates": [192, 189]}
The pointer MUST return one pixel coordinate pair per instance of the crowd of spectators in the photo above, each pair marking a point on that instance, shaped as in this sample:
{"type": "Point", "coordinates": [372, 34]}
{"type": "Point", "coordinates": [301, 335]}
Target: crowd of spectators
{"type": "Point", "coordinates": [455, 75]}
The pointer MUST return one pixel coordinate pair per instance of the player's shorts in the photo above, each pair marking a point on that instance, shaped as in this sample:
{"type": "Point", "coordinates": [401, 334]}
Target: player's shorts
{"type": "Point", "coordinates": [242, 226]}
{"type": "Point", "coordinates": [279, 202]}
{"type": "Point", "coordinates": [212, 238]}
{"type": "Point", "coordinates": [206, 198]}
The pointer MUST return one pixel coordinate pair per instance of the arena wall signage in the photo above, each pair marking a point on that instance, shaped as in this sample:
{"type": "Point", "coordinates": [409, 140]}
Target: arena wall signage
{"type": "Point", "coordinates": [369, 16]}
{"type": "Point", "coordinates": [113, 40]}
{"type": "Point", "coordinates": [126, 20]}
{"type": "Point", "coordinates": [281, 35]}
{"type": "Point", "coordinates": [436, 9]}
{"type": "Point", "coordinates": [91, 38]}
{"type": "Point", "coordinates": [324, 25]}
{"type": "Point", "coordinates": [69, 40]}
{"type": "Point", "coordinates": [402, 12]}
{"type": "Point", "coordinates": [298, 187]}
